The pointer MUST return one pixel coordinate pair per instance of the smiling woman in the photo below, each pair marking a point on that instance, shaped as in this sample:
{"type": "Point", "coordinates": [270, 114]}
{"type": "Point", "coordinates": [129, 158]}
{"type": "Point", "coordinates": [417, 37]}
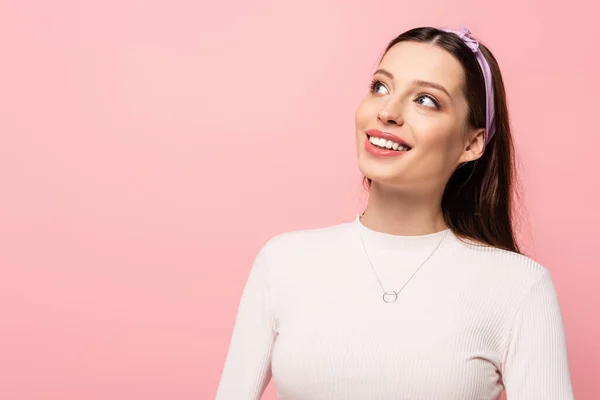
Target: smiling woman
{"type": "Point", "coordinates": [432, 88]}
{"type": "Point", "coordinates": [425, 294]}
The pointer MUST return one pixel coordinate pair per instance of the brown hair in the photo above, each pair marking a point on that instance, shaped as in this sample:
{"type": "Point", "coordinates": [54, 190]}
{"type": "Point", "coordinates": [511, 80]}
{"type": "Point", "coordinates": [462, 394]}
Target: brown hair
{"type": "Point", "coordinates": [478, 199]}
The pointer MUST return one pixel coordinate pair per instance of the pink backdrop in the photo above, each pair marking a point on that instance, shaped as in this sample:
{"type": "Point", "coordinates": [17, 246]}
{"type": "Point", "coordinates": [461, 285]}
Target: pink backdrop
{"type": "Point", "coordinates": [149, 148]}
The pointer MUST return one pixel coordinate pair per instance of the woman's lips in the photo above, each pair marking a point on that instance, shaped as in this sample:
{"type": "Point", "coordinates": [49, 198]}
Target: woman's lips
{"type": "Point", "coordinates": [381, 152]}
{"type": "Point", "coordinates": [387, 136]}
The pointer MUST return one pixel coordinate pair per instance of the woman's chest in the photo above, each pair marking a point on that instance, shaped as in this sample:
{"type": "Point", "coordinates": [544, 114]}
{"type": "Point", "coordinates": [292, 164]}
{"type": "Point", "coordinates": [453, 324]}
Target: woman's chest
{"type": "Point", "coordinates": [338, 343]}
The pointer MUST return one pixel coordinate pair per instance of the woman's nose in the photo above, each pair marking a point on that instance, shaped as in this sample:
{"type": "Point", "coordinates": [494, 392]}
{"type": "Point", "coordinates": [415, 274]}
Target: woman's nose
{"type": "Point", "coordinates": [388, 116]}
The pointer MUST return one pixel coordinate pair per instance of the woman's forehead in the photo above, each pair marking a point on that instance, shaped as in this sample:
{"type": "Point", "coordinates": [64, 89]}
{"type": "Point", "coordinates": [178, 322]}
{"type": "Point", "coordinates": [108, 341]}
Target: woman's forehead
{"type": "Point", "coordinates": [409, 61]}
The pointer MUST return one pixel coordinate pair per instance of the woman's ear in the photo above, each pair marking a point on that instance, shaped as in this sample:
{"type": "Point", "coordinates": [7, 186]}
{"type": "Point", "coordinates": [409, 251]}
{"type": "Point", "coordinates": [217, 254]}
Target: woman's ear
{"type": "Point", "coordinates": [475, 146]}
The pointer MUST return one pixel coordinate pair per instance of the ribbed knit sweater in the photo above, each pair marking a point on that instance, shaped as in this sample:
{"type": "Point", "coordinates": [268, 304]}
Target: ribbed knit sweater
{"type": "Point", "coordinates": [472, 322]}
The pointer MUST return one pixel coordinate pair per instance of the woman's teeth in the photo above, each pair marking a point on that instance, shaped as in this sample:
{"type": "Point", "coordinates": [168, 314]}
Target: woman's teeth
{"type": "Point", "coordinates": [387, 144]}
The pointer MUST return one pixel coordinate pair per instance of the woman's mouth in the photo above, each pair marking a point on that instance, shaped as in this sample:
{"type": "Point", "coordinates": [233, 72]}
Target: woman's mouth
{"type": "Point", "coordinates": [387, 144]}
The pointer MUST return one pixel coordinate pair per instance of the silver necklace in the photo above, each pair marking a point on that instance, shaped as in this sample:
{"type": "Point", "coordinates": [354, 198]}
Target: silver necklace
{"type": "Point", "coordinates": [390, 296]}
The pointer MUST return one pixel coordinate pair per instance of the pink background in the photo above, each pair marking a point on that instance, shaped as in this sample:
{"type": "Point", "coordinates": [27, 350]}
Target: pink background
{"type": "Point", "coordinates": [149, 148]}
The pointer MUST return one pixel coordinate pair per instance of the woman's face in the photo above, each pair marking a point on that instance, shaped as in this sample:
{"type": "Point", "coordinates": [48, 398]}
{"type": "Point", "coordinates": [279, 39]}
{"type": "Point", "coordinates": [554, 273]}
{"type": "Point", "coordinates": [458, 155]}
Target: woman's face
{"type": "Point", "coordinates": [416, 105]}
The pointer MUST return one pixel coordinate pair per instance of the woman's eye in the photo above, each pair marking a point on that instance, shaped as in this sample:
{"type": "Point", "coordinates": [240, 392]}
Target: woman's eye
{"type": "Point", "coordinates": [376, 85]}
{"type": "Point", "coordinates": [427, 101]}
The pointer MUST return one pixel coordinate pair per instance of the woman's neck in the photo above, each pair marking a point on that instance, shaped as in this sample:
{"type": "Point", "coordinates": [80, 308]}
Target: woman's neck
{"type": "Point", "coordinates": [399, 213]}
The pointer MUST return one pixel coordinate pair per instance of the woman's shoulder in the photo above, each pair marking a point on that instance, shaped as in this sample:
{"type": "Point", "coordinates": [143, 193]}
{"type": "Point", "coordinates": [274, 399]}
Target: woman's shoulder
{"type": "Point", "coordinates": [297, 254]}
{"type": "Point", "coordinates": [308, 238]}
{"type": "Point", "coordinates": [504, 265]}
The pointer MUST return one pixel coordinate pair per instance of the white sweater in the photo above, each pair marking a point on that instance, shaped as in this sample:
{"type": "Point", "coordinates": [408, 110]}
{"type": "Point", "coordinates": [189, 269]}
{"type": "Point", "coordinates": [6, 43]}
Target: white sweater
{"type": "Point", "coordinates": [473, 321]}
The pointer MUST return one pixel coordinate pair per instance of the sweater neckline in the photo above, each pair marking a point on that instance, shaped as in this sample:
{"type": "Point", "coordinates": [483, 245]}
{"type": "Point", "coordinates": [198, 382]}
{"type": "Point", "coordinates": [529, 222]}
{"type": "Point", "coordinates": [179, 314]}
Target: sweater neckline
{"type": "Point", "coordinates": [387, 241]}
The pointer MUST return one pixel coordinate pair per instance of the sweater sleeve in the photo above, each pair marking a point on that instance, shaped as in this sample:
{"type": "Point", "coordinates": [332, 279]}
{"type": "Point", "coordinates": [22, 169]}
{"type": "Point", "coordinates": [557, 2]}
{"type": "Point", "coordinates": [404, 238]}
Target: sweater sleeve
{"type": "Point", "coordinates": [247, 369]}
{"type": "Point", "coordinates": [536, 365]}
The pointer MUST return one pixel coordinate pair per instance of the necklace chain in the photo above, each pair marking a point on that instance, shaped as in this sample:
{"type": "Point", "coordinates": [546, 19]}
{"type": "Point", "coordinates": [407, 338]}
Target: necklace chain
{"type": "Point", "coordinates": [387, 294]}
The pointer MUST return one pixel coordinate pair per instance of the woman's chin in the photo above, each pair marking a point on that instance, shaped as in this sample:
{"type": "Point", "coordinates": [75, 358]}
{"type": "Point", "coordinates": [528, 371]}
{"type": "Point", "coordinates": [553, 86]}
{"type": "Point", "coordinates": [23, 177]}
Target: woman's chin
{"type": "Point", "coordinates": [382, 175]}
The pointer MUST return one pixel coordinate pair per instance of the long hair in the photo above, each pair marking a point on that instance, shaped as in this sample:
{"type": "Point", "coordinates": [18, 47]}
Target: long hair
{"type": "Point", "coordinates": [477, 203]}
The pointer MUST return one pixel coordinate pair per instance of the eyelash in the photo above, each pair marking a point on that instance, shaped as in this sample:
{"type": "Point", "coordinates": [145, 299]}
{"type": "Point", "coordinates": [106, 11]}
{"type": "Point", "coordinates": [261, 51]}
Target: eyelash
{"type": "Point", "coordinates": [376, 82]}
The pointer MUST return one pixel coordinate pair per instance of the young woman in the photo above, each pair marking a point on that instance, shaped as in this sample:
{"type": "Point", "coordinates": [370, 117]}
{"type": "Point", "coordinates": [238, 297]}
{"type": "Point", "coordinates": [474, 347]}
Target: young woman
{"type": "Point", "coordinates": [425, 294]}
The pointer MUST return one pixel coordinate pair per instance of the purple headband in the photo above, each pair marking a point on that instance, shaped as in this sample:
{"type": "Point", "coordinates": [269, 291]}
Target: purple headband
{"type": "Point", "coordinates": [464, 34]}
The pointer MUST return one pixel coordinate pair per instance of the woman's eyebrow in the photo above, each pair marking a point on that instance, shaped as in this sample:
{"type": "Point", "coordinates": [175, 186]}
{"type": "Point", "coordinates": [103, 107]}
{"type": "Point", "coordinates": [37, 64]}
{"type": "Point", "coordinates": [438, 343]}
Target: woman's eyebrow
{"type": "Point", "coordinates": [431, 85]}
{"type": "Point", "coordinates": [384, 72]}
{"type": "Point", "coordinates": [416, 82]}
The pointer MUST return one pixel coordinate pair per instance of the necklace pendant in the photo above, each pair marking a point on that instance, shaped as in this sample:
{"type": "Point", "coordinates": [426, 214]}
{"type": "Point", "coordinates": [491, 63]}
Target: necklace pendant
{"type": "Point", "coordinates": [390, 296]}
